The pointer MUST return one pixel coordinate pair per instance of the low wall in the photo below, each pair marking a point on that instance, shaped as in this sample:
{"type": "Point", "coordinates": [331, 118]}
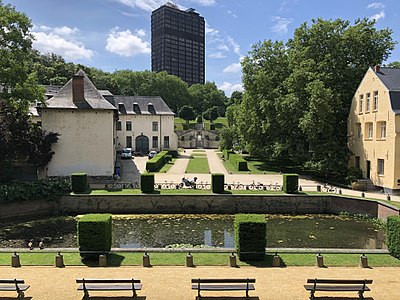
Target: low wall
{"type": "Point", "coordinates": [200, 204]}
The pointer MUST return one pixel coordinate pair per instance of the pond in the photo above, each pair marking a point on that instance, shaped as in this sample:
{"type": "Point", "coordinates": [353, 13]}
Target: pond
{"type": "Point", "coordinates": [137, 231]}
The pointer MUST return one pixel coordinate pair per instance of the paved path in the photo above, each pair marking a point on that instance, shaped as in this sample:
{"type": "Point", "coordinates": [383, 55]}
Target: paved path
{"type": "Point", "coordinates": [215, 164]}
{"type": "Point", "coordinates": [181, 163]}
{"type": "Point", "coordinates": [173, 283]}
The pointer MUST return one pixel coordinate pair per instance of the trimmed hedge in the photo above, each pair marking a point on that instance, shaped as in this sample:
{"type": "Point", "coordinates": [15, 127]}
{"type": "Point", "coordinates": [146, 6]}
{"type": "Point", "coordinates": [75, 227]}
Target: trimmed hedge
{"type": "Point", "coordinates": [236, 160]}
{"type": "Point", "coordinates": [94, 234]}
{"type": "Point", "coordinates": [79, 182]}
{"type": "Point", "coordinates": [147, 183]}
{"type": "Point", "coordinates": [217, 183]}
{"type": "Point", "coordinates": [393, 235]}
{"type": "Point", "coordinates": [168, 158]}
{"type": "Point", "coordinates": [250, 236]}
{"type": "Point", "coordinates": [174, 153]}
{"type": "Point", "coordinates": [290, 183]}
{"type": "Point", "coordinates": [157, 162]}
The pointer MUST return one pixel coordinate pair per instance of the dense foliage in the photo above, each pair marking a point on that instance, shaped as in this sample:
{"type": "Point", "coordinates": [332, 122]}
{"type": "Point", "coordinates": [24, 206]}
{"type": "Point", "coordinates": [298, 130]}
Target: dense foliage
{"type": "Point", "coordinates": [290, 183]}
{"type": "Point", "coordinates": [94, 234]}
{"type": "Point", "coordinates": [298, 94]}
{"type": "Point", "coordinates": [217, 183]}
{"type": "Point", "coordinates": [250, 236]}
{"type": "Point", "coordinates": [79, 182]}
{"type": "Point", "coordinates": [393, 235]}
{"type": "Point", "coordinates": [147, 183]}
{"type": "Point", "coordinates": [40, 190]}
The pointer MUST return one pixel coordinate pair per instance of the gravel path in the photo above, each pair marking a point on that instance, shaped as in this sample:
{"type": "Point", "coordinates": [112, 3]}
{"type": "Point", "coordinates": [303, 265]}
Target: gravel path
{"type": "Point", "coordinates": [173, 283]}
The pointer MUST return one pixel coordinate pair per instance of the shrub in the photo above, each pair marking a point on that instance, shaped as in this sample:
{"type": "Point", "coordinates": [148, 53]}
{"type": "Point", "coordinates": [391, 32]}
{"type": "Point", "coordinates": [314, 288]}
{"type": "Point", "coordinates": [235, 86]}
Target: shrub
{"type": "Point", "coordinates": [168, 158]}
{"type": "Point", "coordinates": [250, 236]}
{"type": "Point", "coordinates": [174, 153]}
{"type": "Point", "coordinates": [157, 162]}
{"type": "Point", "coordinates": [185, 126]}
{"type": "Point", "coordinates": [79, 182]}
{"type": "Point", "coordinates": [393, 235]}
{"type": "Point", "coordinates": [147, 183]}
{"type": "Point", "coordinates": [217, 183]}
{"type": "Point", "coordinates": [236, 160]}
{"type": "Point", "coordinates": [290, 183]}
{"type": "Point", "coordinates": [94, 234]}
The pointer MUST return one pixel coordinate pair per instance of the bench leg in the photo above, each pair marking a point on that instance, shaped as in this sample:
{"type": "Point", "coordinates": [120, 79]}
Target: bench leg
{"type": "Point", "coordinates": [21, 295]}
{"type": "Point", "coordinates": [312, 295]}
{"type": "Point", "coordinates": [361, 294]}
{"type": "Point", "coordinates": [247, 294]}
{"type": "Point", "coordinates": [85, 295]}
{"type": "Point", "coordinates": [134, 294]}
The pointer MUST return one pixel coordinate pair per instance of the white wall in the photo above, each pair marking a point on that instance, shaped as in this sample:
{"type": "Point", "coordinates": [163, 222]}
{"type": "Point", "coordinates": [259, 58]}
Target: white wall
{"type": "Point", "coordinates": [85, 143]}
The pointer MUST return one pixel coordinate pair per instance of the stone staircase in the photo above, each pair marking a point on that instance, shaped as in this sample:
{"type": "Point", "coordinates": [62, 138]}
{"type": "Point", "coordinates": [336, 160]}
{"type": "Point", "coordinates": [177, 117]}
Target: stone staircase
{"type": "Point", "coordinates": [367, 184]}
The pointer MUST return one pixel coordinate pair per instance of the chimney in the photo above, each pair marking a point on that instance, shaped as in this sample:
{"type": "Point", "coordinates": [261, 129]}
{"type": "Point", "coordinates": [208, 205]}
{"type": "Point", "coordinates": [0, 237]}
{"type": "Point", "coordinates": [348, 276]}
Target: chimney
{"type": "Point", "coordinates": [78, 89]}
{"type": "Point", "coordinates": [377, 68]}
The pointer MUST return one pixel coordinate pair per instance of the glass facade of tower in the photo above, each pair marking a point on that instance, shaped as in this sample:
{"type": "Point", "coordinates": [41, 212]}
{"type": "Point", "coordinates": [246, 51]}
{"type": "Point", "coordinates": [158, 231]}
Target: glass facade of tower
{"type": "Point", "coordinates": [177, 43]}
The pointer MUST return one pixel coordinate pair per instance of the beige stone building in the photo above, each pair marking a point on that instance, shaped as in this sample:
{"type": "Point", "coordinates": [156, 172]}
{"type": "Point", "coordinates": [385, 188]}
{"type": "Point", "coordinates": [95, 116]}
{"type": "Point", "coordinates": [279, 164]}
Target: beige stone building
{"type": "Point", "coordinates": [374, 127]}
{"type": "Point", "coordinates": [85, 121]}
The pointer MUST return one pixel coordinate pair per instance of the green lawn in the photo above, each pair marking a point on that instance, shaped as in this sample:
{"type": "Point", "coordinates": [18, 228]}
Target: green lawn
{"type": "Point", "coordinates": [255, 167]}
{"type": "Point", "coordinates": [167, 166]}
{"type": "Point", "coordinates": [198, 165]}
{"type": "Point", "coordinates": [219, 123]}
{"type": "Point", "coordinates": [201, 259]}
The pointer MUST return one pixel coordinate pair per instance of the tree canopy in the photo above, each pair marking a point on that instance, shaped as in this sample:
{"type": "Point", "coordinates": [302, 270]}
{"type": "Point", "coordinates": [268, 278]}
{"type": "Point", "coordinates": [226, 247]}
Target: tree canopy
{"type": "Point", "coordinates": [298, 94]}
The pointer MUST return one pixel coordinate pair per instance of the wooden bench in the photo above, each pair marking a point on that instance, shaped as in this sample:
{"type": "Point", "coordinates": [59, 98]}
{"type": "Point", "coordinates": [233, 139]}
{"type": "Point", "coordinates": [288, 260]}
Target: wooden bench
{"type": "Point", "coordinates": [17, 285]}
{"type": "Point", "coordinates": [338, 285]}
{"type": "Point", "coordinates": [91, 284]}
{"type": "Point", "coordinates": [234, 284]}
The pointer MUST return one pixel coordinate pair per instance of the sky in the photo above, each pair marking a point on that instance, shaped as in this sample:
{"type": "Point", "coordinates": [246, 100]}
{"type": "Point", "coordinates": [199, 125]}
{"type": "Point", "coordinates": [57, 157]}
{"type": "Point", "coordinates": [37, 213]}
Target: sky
{"type": "Point", "coordinates": [116, 34]}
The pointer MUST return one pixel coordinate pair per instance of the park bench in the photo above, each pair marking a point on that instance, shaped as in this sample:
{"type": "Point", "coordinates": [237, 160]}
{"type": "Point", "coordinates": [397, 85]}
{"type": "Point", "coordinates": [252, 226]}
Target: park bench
{"type": "Point", "coordinates": [91, 284]}
{"type": "Point", "coordinates": [221, 284]}
{"type": "Point", "coordinates": [338, 285]}
{"type": "Point", "coordinates": [17, 285]}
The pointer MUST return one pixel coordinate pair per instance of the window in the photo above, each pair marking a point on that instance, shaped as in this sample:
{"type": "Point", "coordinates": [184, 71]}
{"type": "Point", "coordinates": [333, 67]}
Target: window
{"type": "Point", "coordinates": [128, 142]}
{"type": "Point", "coordinates": [361, 103]}
{"type": "Point", "coordinates": [128, 126]}
{"type": "Point", "coordinates": [155, 141]}
{"type": "Point", "coordinates": [381, 167]}
{"type": "Point", "coordinates": [369, 129]}
{"type": "Point", "coordinates": [119, 125]}
{"type": "Point", "coordinates": [382, 130]}
{"type": "Point", "coordinates": [155, 126]}
{"type": "Point", "coordinates": [357, 162]}
{"type": "Point", "coordinates": [166, 141]}
{"type": "Point", "coordinates": [358, 131]}
{"type": "Point", "coordinates": [367, 103]}
{"type": "Point", "coordinates": [376, 100]}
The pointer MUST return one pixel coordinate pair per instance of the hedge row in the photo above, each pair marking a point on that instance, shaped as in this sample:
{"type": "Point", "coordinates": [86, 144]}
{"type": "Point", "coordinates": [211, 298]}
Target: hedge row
{"type": "Point", "coordinates": [236, 160]}
{"type": "Point", "coordinates": [290, 183]}
{"type": "Point", "coordinates": [39, 190]}
{"type": "Point", "coordinates": [79, 182]}
{"type": "Point", "coordinates": [393, 235]}
{"type": "Point", "coordinates": [147, 183]}
{"type": "Point", "coordinates": [217, 183]}
{"type": "Point", "coordinates": [250, 236]}
{"type": "Point", "coordinates": [94, 234]}
{"type": "Point", "coordinates": [157, 162]}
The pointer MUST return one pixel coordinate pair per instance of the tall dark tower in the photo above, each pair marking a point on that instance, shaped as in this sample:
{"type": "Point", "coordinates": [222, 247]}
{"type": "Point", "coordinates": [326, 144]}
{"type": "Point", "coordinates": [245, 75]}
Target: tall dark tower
{"type": "Point", "coordinates": [177, 43]}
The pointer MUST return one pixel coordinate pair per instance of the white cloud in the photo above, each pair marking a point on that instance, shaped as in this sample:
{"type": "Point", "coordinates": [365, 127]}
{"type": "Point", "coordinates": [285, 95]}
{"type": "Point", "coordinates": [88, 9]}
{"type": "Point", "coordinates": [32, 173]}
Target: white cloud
{"type": "Point", "coordinates": [60, 40]}
{"type": "Point", "coordinates": [232, 14]}
{"type": "Point", "coordinates": [217, 42]}
{"type": "Point", "coordinates": [376, 5]}
{"type": "Point", "coordinates": [125, 43]}
{"type": "Point", "coordinates": [281, 24]}
{"type": "Point", "coordinates": [217, 55]}
{"type": "Point", "coordinates": [147, 5]}
{"type": "Point", "coordinates": [378, 16]}
{"type": "Point", "coordinates": [233, 68]}
{"type": "Point", "coordinates": [229, 88]}
{"type": "Point", "coordinates": [204, 2]}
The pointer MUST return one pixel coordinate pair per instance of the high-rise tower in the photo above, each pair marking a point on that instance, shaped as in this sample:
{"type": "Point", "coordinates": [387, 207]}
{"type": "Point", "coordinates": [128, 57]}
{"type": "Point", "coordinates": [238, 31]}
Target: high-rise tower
{"type": "Point", "coordinates": [177, 43]}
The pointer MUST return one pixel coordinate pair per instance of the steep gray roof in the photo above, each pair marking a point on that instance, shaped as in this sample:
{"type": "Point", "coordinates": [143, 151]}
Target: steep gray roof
{"type": "Point", "coordinates": [390, 77]}
{"type": "Point", "coordinates": [160, 107]}
{"type": "Point", "coordinates": [92, 99]}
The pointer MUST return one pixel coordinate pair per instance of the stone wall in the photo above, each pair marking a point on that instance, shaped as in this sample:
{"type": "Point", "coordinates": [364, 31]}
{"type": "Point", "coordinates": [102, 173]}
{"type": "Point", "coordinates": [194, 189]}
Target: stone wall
{"type": "Point", "coordinates": [205, 204]}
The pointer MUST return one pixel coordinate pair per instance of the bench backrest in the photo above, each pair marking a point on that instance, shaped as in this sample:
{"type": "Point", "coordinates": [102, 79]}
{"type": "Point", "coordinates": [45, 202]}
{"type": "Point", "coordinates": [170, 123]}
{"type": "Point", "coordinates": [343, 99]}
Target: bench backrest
{"type": "Point", "coordinates": [340, 281]}
{"type": "Point", "coordinates": [107, 280]}
{"type": "Point", "coordinates": [223, 280]}
{"type": "Point", "coordinates": [12, 281]}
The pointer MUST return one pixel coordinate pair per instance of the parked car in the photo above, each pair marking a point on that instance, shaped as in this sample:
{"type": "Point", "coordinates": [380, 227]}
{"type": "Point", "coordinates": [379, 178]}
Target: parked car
{"type": "Point", "coordinates": [126, 153]}
{"type": "Point", "coordinates": [152, 154]}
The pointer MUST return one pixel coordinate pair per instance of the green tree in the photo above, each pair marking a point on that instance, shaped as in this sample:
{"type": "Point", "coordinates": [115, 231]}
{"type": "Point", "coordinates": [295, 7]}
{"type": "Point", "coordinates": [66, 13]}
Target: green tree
{"type": "Point", "coordinates": [186, 113]}
{"type": "Point", "coordinates": [394, 64]}
{"type": "Point", "coordinates": [211, 114]}
{"type": "Point", "coordinates": [205, 96]}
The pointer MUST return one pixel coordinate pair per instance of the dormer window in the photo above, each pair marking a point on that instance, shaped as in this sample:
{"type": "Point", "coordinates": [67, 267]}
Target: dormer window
{"type": "Point", "coordinates": [150, 108]}
{"type": "Point", "coordinates": [121, 107]}
{"type": "Point", "coordinates": [136, 108]}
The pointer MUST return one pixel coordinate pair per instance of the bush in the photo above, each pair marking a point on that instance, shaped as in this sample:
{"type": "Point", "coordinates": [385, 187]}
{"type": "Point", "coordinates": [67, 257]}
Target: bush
{"type": "Point", "coordinates": [168, 158]}
{"type": "Point", "coordinates": [236, 160]}
{"type": "Point", "coordinates": [250, 236]}
{"type": "Point", "coordinates": [199, 119]}
{"type": "Point", "coordinates": [290, 183]}
{"type": "Point", "coordinates": [38, 190]}
{"type": "Point", "coordinates": [157, 162]}
{"type": "Point", "coordinates": [174, 153]}
{"type": "Point", "coordinates": [94, 234]}
{"type": "Point", "coordinates": [79, 182]}
{"type": "Point", "coordinates": [393, 235]}
{"type": "Point", "coordinates": [185, 126]}
{"type": "Point", "coordinates": [217, 183]}
{"type": "Point", "coordinates": [147, 183]}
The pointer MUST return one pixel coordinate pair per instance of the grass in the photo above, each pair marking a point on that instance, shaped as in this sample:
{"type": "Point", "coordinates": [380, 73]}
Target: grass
{"type": "Point", "coordinates": [254, 166]}
{"type": "Point", "coordinates": [201, 259]}
{"type": "Point", "coordinates": [198, 165]}
{"type": "Point", "coordinates": [167, 166]}
{"type": "Point", "coordinates": [219, 123]}
{"type": "Point", "coordinates": [198, 150]}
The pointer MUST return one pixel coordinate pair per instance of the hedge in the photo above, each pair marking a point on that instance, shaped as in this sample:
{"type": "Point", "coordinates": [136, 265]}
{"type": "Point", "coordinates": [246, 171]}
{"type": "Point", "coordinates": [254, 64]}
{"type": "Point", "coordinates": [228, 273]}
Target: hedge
{"type": "Point", "coordinates": [157, 162]}
{"type": "Point", "coordinates": [79, 182]}
{"type": "Point", "coordinates": [393, 235]}
{"type": "Point", "coordinates": [94, 234]}
{"type": "Point", "coordinates": [250, 236]}
{"type": "Point", "coordinates": [236, 160]}
{"type": "Point", "coordinates": [147, 183]}
{"type": "Point", "coordinates": [217, 183]}
{"type": "Point", "coordinates": [290, 183]}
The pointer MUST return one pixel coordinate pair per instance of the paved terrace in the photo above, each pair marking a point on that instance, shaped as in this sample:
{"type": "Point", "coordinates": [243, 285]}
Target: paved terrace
{"type": "Point", "coordinates": [173, 283]}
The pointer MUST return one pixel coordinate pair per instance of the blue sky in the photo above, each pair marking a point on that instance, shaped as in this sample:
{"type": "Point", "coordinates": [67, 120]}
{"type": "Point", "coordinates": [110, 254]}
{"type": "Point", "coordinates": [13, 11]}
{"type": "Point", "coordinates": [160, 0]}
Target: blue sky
{"type": "Point", "coordinates": [115, 34]}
